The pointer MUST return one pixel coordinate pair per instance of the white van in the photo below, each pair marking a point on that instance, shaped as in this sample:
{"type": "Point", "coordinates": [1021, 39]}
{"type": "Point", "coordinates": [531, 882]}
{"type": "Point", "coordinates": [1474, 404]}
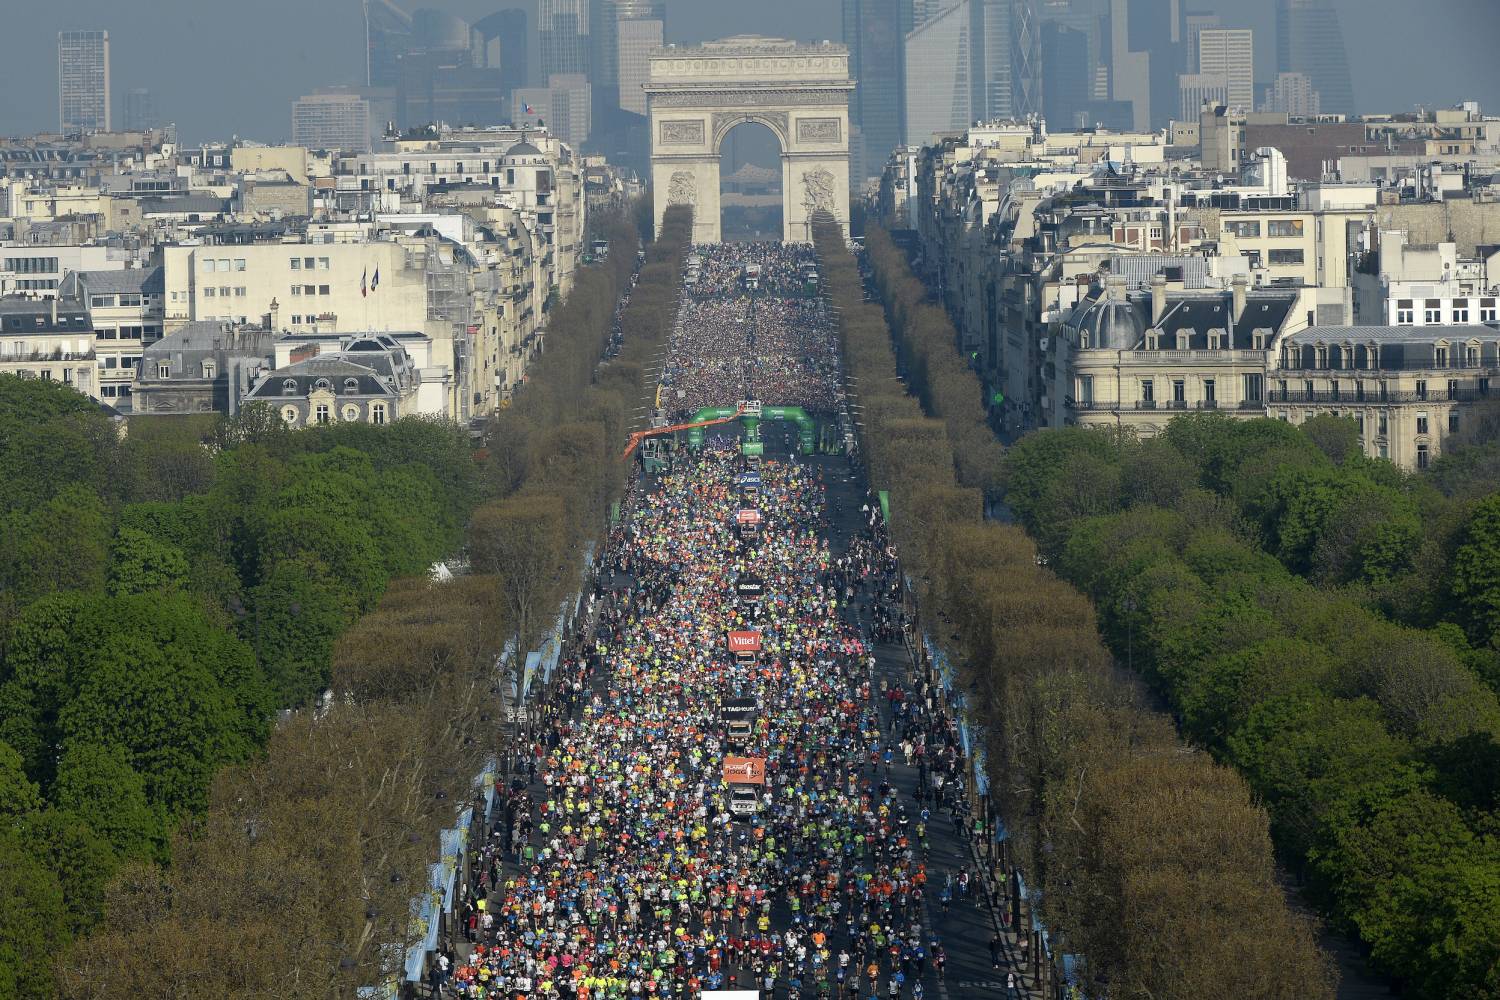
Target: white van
{"type": "Point", "coordinates": [744, 800]}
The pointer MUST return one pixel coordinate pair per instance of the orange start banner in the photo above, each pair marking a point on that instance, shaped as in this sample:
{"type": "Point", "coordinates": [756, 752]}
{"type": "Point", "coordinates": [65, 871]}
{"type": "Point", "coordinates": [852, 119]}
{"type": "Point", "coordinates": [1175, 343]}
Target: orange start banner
{"type": "Point", "coordinates": [744, 642]}
{"type": "Point", "coordinates": [745, 770]}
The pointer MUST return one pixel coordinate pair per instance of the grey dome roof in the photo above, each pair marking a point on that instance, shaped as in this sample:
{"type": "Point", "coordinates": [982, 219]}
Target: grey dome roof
{"type": "Point", "coordinates": [523, 148]}
{"type": "Point", "coordinates": [1110, 324]}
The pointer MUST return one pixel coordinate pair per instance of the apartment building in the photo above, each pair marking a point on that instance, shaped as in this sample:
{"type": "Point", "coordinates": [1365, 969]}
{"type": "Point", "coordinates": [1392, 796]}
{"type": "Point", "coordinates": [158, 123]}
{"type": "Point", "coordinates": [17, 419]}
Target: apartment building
{"type": "Point", "coordinates": [1411, 391]}
{"type": "Point", "coordinates": [126, 310]}
{"type": "Point", "coordinates": [48, 340]}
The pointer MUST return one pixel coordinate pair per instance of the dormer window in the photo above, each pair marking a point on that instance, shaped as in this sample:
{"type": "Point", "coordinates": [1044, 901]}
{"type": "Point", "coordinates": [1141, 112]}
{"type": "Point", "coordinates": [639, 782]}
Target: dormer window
{"type": "Point", "coordinates": [1440, 356]}
{"type": "Point", "coordinates": [1183, 340]}
{"type": "Point", "coordinates": [1215, 340]}
{"type": "Point", "coordinates": [323, 385]}
{"type": "Point", "coordinates": [1258, 340]}
{"type": "Point", "coordinates": [289, 387]}
{"type": "Point", "coordinates": [208, 369]}
{"type": "Point", "coordinates": [1153, 340]}
{"type": "Point", "coordinates": [351, 386]}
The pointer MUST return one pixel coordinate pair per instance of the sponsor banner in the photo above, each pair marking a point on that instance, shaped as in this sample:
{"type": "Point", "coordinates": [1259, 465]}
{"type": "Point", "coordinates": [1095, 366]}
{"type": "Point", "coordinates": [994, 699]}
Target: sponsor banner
{"type": "Point", "coordinates": [737, 709]}
{"type": "Point", "coordinates": [744, 642]}
{"type": "Point", "coordinates": [750, 588]}
{"type": "Point", "coordinates": [748, 517]}
{"type": "Point", "coordinates": [745, 770]}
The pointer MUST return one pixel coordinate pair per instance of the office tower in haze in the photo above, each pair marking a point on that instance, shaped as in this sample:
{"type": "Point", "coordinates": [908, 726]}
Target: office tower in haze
{"type": "Point", "coordinates": [874, 31]}
{"type": "Point", "coordinates": [502, 39]}
{"type": "Point", "coordinates": [939, 83]}
{"type": "Point", "coordinates": [1229, 53]}
{"type": "Point", "coordinates": [563, 28]}
{"type": "Point", "coordinates": [1292, 94]}
{"type": "Point", "coordinates": [140, 110]}
{"type": "Point", "coordinates": [1025, 59]}
{"type": "Point", "coordinates": [1066, 72]}
{"type": "Point", "coordinates": [1146, 56]}
{"type": "Point", "coordinates": [332, 119]}
{"type": "Point", "coordinates": [388, 33]}
{"type": "Point", "coordinates": [1310, 41]}
{"type": "Point", "coordinates": [83, 81]}
{"type": "Point", "coordinates": [636, 41]}
{"type": "Point", "coordinates": [605, 20]}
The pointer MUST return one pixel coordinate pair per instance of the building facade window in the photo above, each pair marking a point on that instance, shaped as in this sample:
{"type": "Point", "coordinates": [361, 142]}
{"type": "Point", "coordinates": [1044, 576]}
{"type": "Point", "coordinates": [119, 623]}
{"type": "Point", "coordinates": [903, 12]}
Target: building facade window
{"type": "Point", "coordinates": [1404, 312]}
{"type": "Point", "coordinates": [1453, 421]}
{"type": "Point", "coordinates": [1254, 388]}
{"type": "Point", "coordinates": [377, 413]}
{"type": "Point", "coordinates": [321, 413]}
{"type": "Point", "coordinates": [1432, 312]}
{"type": "Point", "coordinates": [1148, 393]}
{"type": "Point", "coordinates": [163, 371]}
{"type": "Point", "coordinates": [1285, 258]}
{"type": "Point", "coordinates": [1421, 423]}
{"type": "Point", "coordinates": [1460, 312]}
{"type": "Point", "coordinates": [1284, 227]}
{"type": "Point", "coordinates": [1422, 456]}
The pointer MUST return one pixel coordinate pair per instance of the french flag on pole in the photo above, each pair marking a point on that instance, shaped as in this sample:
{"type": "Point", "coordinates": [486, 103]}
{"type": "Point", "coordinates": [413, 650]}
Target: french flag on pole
{"type": "Point", "coordinates": [362, 290]}
{"type": "Point", "coordinates": [529, 109]}
{"type": "Point", "coordinates": [375, 281]}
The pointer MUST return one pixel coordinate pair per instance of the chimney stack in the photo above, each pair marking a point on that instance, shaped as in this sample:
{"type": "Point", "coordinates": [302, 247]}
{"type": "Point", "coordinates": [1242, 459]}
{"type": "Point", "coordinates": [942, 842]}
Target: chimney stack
{"type": "Point", "coordinates": [1114, 288]}
{"type": "Point", "coordinates": [275, 319]}
{"type": "Point", "coordinates": [1241, 284]}
{"type": "Point", "coordinates": [1158, 297]}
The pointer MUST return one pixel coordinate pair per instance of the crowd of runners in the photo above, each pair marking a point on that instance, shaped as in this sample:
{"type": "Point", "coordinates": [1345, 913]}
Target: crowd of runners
{"type": "Point", "coordinates": [750, 328]}
{"type": "Point", "coordinates": [623, 861]}
{"type": "Point", "coordinates": [616, 868]}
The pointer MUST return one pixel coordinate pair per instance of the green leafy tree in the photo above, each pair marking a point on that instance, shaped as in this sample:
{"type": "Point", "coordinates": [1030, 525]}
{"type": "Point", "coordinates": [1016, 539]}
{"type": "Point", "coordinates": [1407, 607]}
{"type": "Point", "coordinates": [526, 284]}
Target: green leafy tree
{"type": "Point", "coordinates": [82, 861]}
{"type": "Point", "coordinates": [33, 922]}
{"type": "Point", "coordinates": [141, 563]}
{"type": "Point", "coordinates": [97, 783]}
{"type": "Point", "coordinates": [63, 544]}
{"type": "Point", "coordinates": [1474, 574]}
{"type": "Point", "coordinates": [19, 795]}
{"type": "Point", "coordinates": [296, 614]}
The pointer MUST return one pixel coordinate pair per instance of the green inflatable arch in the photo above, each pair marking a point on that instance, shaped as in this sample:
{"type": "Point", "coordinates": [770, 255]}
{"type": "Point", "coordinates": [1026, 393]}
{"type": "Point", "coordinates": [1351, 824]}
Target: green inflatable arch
{"type": "Point", "coordinates": [807, 427]}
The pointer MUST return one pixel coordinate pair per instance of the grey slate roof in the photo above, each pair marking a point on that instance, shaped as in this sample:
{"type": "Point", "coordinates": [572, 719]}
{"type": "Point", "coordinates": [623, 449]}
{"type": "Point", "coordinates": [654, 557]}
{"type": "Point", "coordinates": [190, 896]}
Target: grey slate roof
{"type": "Point", "coordinates": [1394, 334]}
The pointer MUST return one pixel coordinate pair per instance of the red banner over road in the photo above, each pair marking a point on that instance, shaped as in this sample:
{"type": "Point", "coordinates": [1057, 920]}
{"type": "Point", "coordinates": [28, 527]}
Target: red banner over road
{"type": "Point", "coordinates": [745, 770]}
{"type": "Point", "coordinates": [744, 642]}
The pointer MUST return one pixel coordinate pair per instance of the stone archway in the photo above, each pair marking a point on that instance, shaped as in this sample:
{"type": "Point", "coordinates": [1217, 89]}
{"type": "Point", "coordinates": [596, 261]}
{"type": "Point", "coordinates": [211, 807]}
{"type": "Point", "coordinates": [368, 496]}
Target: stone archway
{"type": "Point", "coordinates": [697, 94]}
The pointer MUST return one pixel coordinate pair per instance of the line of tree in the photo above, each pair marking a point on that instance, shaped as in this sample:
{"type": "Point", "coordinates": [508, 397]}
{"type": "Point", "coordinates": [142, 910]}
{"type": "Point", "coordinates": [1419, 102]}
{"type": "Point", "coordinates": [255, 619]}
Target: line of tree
{"type": "Point", "coordinates": [215, 573]}
{"type": "Point", "coordinates": [1242, 568]}
{"type": "Point", "coordinates": [1153, 864]}
{"type": "Point", "coordinates": [161, 596]}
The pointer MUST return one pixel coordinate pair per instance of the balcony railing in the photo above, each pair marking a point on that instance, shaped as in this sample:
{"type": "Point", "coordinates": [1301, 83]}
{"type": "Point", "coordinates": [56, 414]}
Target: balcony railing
{"type": "Point", "coordinates": [1197, 357]}
{"type": "Point", "coordinates": [1348, 398]}
{"type": "Point", "coordinates": [1105, 405]}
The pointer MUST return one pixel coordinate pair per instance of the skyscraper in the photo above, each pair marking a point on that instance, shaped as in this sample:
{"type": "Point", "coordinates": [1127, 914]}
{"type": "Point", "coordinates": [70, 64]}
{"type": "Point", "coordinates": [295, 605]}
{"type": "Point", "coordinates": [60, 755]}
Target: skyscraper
{"type": "Point", "coordinates": [1229, 53]}
{"type": "Point", "coordinates": [140, 110]}
{"type": "Point", "coordinates": [939, 85]}
{"type": "Point", "coordinates": [1066, 71]}
{"type": "Point", "coordinates": [332, 119]}
{"type": "Point", "coordinates": [1310, 41]}
{"type": "Point", "coordinates": [388, 33]}
{"type": "Point", "coordinates": [502, 37]}
{"type": "Point", "coordinates": [83, 81]}
{"type": "Point", "coordinates": [605, 18]}
{"type": "Point", "coordinates": [874, 31]}
{"type": "Point", "coordinates": [991, 77]}
{"type": "Point", "coordinates": [1025, 59]}
{"type": "Point", "coordinates": [637, 39]}
{"type": "Point", "coordinates": [563, 26]}
{"type": "Point", "coordinates": [1146, 50]}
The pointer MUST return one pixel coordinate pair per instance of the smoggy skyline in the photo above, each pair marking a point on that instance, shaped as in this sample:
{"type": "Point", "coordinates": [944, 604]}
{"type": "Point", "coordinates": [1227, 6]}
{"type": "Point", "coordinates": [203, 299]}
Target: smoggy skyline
{"type": "Point", "coordinates": [221, 69]}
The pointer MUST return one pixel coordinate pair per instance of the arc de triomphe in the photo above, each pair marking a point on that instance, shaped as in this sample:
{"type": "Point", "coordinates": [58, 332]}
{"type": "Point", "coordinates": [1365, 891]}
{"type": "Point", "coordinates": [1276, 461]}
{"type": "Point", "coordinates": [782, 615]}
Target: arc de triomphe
{"type": "Point", "coordinates": [697, 94]}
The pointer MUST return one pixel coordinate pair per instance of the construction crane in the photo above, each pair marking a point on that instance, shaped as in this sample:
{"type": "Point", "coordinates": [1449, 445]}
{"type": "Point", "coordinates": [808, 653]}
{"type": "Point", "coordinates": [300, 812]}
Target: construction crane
{"type": "Point", "coordinates": [639, 436]}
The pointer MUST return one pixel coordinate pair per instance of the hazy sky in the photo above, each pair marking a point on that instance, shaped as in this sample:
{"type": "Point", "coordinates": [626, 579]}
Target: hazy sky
{"type": "Point", "coordinates": [232, 67]}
